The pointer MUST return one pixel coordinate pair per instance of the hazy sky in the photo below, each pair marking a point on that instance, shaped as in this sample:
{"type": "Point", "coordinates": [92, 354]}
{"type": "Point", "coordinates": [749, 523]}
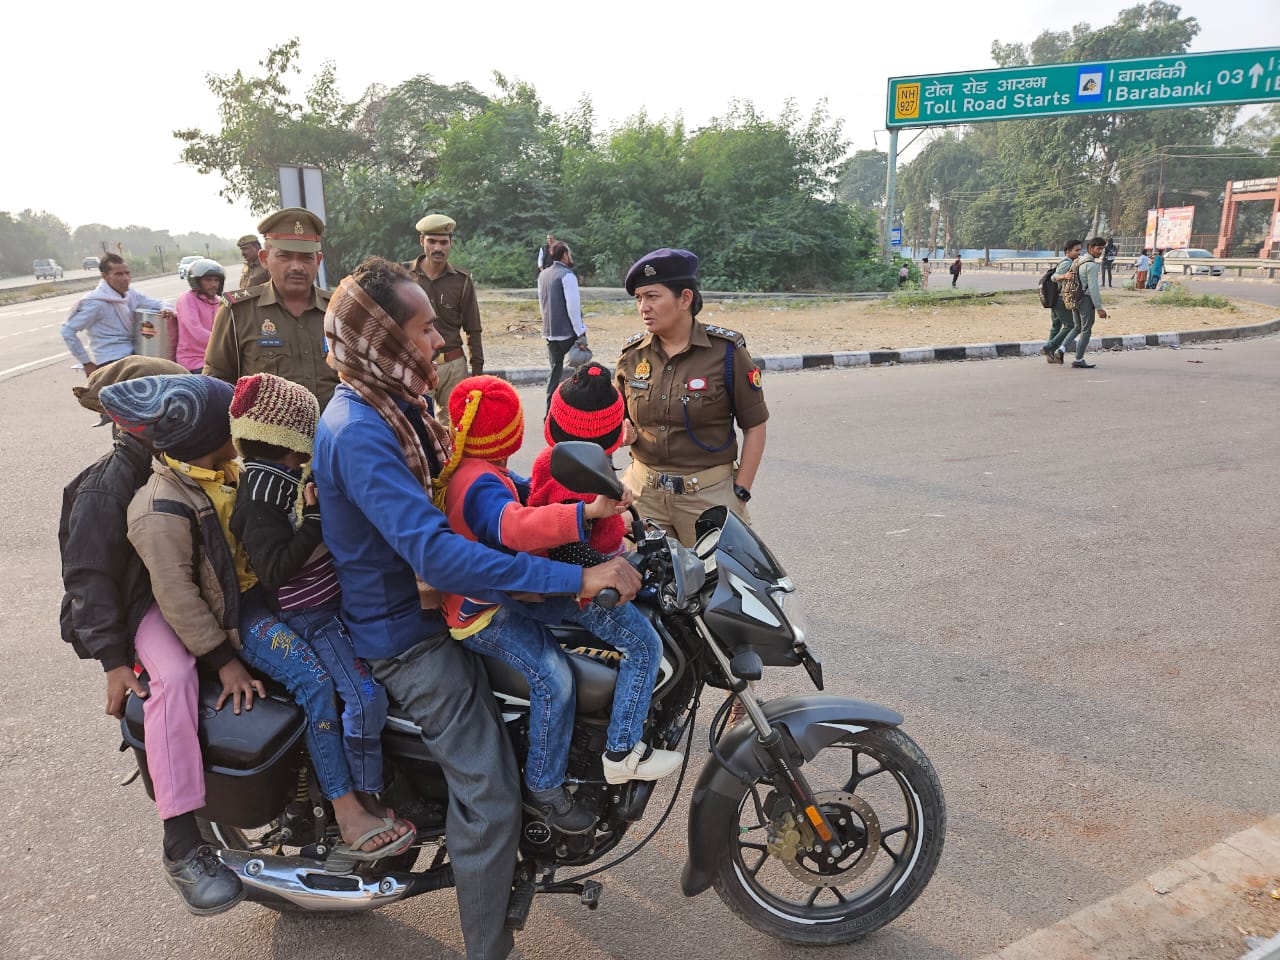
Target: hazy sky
{"type": "Point", "coordinates": [93, 93]}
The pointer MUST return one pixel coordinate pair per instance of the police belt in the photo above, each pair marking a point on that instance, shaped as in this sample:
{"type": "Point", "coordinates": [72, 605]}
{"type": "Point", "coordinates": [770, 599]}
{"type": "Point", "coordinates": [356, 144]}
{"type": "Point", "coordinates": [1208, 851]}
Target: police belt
{"type": "Point", "coordinates": [674, 483]}
{"type": "Point", "coordinates": [444, 356]}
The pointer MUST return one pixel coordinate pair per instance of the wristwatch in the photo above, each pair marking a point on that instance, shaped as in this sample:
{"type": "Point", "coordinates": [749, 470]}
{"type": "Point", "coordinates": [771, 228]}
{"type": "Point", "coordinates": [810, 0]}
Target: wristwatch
{"type": "Point", "coordinates": [742, 493]}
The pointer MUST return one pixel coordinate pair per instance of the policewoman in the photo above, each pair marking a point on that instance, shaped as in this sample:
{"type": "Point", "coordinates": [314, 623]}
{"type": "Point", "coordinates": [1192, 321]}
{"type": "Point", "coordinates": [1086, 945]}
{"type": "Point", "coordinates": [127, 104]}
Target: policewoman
{"type": "Point", "coordinates": [687, 385]}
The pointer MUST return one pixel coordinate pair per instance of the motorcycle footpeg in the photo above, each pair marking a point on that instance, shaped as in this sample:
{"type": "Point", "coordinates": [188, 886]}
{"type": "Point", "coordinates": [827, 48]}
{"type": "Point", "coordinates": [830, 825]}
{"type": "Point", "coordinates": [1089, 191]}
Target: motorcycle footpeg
{"type": "Point", "coordinates": [519, 905]}
{"type": "Point", "coordinates": [591, 891]}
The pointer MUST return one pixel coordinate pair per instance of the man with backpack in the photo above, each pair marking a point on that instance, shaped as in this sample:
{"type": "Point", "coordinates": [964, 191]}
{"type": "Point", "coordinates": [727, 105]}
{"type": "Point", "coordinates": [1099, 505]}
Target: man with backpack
{"type": "Point", "coordinates": [1084, 298]}
{"type": "Point", "coordinates": [1051, 297]}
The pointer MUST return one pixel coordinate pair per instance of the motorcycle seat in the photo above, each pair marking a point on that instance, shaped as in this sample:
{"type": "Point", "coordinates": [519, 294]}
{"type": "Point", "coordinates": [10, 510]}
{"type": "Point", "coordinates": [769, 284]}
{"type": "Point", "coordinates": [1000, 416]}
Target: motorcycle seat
{"type": "Point", "coordinates": [593, 680]}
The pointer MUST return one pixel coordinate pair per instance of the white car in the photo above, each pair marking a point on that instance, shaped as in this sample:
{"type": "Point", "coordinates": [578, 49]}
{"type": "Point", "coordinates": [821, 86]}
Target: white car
{"type": "Point", "coordinates": [184, 265]}
{"type": "Point", "coordinates": [1186, 259]}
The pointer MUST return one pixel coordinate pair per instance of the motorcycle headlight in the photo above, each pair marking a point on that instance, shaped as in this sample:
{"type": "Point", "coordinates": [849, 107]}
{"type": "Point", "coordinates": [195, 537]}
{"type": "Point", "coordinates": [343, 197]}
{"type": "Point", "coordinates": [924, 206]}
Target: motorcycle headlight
{"type": "Point", "coordinates": [788, 602]}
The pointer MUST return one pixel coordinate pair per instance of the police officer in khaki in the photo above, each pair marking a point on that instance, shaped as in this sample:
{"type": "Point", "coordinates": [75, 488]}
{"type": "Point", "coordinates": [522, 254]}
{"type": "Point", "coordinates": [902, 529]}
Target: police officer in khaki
{"type": "Point", "coordinates": [453, 295]}
{"type": "Point", "coordinates": [278, 327]}
{"type": "Point", "coordinates": [686, 384]}
{"type": "Point", "coordinates": [253, 272]}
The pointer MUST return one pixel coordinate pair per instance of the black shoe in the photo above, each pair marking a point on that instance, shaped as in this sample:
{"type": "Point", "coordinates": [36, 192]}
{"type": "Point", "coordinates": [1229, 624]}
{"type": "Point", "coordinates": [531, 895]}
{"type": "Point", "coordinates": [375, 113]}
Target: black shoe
{"type": "Point", "coordinates": [1048, 354]}
{"type": "Point", "coordinates": [205, 883]}
{"type": "Point", "coordinates": [557, 808]}
{"type": "Point", "coordinates": [1082, 365]}
{"type": "Point", "coordinates": [1058, 357]}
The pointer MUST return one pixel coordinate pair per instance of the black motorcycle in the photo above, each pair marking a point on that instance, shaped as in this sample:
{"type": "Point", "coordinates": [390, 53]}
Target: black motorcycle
{"type": "Point", "coordinates": [816, 819]}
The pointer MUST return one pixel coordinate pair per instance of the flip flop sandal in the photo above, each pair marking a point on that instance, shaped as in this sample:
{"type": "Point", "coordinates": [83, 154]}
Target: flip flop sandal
{"type": "Point", "coordinates": [350, 851]}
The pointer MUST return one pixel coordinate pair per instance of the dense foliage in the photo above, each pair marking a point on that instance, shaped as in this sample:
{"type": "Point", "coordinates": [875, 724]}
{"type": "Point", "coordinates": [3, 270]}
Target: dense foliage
{"type": "Point", "coordinates": [755, 197]}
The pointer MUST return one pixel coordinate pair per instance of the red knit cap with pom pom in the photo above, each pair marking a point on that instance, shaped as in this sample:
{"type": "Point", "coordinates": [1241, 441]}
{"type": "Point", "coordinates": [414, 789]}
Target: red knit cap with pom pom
{"type": "Point", "coordinates": [587, 406]}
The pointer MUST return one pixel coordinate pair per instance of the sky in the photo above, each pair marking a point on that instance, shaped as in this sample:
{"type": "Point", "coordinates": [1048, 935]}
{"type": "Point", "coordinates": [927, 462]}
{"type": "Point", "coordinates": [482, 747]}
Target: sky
{"type": "Point", "coordinates": [93, 95]}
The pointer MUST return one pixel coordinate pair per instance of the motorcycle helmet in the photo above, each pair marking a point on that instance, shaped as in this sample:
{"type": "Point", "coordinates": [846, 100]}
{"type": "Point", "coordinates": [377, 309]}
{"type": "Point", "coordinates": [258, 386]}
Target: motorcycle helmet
{"type": "Point", "coordinates": [206, 268]}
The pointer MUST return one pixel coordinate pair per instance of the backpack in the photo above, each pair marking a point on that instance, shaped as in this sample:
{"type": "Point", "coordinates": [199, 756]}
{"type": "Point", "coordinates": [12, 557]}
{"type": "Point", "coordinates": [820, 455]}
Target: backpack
{"type": "Point", "coordinates": [1069, 287]}
{"type": "Point", "coordinates": [1049, 289]}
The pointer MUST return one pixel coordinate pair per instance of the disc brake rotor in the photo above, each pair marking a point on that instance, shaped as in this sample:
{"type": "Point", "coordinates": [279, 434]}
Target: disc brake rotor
{"type": "Point", "coordinates": [795, 844]}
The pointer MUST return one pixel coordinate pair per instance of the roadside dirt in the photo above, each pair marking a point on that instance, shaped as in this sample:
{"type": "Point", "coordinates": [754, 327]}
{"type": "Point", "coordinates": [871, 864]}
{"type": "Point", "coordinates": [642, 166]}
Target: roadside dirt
{"type": "Point", "coordinates": [512, 331]}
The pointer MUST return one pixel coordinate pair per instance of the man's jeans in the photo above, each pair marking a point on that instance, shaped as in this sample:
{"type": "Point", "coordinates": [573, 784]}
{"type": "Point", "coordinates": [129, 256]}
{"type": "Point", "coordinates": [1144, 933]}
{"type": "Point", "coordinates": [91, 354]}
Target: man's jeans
{"type": "Point", "coordinates": [1083, 329]}
{"type": "Point", "coordinates": [1063, 323]}
{"type": "Point", "coordinates": [557, 350]}
{"type": "Point", "coordinates": [364, 701]}
{"type": "Point", "coordinates": [530, 647]}
{"type": "Point", "coordinates": [446, 692]}
{"type": "Point", "coordinates": [270, 646]}
{"type": "Point", "coordinates": [629, 632]}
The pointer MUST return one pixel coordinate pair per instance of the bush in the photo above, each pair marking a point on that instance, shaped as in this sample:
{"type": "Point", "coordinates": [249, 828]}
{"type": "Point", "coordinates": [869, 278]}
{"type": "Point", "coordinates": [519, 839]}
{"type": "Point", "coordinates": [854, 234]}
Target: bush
{"type": "Point", "coordinates": [1176, 296]}
{"type": "Point", "coordinates": [495, 263]}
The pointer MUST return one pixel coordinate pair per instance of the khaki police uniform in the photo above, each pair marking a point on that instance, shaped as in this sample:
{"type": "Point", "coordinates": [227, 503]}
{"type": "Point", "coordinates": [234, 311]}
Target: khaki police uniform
{"type": "Point", "coordinates": [254, 333]}
{"type": "Point", "coordinates": [453, 295]}
{"type": "Point", "coordinates": [252, 276]}
{"type": "Point", "coordinates": [685, 452]}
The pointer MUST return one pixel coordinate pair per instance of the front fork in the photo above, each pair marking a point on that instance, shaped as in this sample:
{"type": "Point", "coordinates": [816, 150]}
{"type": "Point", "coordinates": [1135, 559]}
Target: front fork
{"type": "Point", "coordinates": [770, 739]}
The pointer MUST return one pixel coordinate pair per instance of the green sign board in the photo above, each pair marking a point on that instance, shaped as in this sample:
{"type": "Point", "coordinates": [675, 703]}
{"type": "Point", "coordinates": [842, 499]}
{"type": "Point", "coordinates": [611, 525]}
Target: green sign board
{"type": "Point", "coordinates": [1048, 90]}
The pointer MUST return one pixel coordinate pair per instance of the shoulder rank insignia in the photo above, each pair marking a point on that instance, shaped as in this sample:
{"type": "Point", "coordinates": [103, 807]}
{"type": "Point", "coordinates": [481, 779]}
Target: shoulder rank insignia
{"type": "Point", "coordinates": [754, 378]}
{"type": "Point", "coordinates": [643, 370]}
{"type": "Point", "coordinates": [726, 334]}
{"type": "Point", "coordinates": [239, 296]}
{"type": "Point", "coordinates": [632, 340]}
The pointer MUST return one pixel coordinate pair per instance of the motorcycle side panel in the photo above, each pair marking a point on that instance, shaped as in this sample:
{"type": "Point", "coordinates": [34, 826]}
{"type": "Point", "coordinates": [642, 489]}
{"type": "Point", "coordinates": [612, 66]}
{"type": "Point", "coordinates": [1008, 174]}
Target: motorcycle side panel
{"type": "Point", "coordinates": [811, 722]}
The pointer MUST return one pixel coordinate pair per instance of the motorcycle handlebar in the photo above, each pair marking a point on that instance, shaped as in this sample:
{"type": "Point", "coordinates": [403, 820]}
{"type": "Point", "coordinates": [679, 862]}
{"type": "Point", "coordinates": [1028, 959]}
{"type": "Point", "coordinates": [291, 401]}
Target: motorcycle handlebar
{"type": "Point", "coordinates": [608, 598]}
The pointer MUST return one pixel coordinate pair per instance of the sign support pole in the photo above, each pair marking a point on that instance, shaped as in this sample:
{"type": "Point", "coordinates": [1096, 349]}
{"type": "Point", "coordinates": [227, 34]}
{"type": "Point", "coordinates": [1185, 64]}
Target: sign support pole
{"type": "Point", "coordinates": [890, 183]}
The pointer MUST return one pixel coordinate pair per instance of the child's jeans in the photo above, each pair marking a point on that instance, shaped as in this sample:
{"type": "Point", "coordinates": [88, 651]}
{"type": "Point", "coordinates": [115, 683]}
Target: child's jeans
{"type": "Point", "coordinates": [529, 647]}
{"type": "Point", "coordinates": [169, 717]}
{"type": "Point", "coordinates": [629, 632]}
{"type": "Point", "coordinates": [364, 701]}
{"type": "Point", "coordinates": [270, 646]}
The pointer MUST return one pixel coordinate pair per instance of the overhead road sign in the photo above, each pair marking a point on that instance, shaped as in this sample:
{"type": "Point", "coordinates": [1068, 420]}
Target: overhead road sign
{"type": "Point", "coordinates": [1101, 86]}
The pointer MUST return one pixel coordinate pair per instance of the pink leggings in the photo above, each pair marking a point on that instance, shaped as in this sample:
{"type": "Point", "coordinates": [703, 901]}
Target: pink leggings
{"type": "Point", "coordinates": [169, 717]}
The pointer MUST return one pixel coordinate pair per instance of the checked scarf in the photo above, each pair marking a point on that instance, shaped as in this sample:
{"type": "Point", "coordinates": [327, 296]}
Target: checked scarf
{"type": "Point", "coordinates": [372, 355]}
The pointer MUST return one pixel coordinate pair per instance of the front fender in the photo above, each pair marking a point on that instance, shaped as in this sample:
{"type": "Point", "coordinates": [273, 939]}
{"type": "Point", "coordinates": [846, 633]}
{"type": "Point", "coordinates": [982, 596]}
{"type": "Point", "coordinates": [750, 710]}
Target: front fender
{"type": "Point", "coordinates": [808, 723]}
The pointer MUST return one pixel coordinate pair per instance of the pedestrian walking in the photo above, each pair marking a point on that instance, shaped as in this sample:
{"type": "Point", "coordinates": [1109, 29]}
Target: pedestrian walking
{"type": "Point", "coordinates": [925, 270]}
{"type": "Point", "coordinates": [1089, 306]}
{"type": "Point", "coordinates": [1109, 261]}
{"type": "Point", "coordinates": [1061, 320]}
{"type": "Point", "coordinates": [560, 302]}
{"type": "Point", "coordinates": [1140, 268]}
{"type": "Point", "coordinates": [955, 271]}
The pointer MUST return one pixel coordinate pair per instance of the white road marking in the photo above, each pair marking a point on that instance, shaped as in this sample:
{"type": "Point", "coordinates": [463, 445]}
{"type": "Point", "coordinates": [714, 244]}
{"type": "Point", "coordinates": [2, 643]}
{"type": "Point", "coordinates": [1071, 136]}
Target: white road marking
{"type": "Point", "coordinates": [42, 362]}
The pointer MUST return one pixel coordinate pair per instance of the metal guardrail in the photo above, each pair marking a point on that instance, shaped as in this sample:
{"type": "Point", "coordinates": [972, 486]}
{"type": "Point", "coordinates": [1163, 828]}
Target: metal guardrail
{"type": "Point", "coordinates": [1175, 268]}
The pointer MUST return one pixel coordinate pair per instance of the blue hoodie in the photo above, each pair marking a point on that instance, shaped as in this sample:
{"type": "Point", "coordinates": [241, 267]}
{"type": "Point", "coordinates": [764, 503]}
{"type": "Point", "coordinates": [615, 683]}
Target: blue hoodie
{"type": "Point", "coordinates": [109, 319]}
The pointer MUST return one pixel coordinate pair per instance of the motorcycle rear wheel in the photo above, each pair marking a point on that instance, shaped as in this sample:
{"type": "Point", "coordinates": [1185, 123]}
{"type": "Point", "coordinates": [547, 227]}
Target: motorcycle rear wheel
{"type": "Point", "coordinates": [879, 791]}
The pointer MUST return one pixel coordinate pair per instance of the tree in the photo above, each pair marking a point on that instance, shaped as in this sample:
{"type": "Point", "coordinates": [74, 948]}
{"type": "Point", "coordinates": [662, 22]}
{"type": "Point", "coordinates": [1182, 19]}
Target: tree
{"type": "Point", "coordinates": [862, 181]}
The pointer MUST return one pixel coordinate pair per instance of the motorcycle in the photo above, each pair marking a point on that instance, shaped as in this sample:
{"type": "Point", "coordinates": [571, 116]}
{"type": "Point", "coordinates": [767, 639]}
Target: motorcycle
{"type": "Point", "coordinates": [815, 819]}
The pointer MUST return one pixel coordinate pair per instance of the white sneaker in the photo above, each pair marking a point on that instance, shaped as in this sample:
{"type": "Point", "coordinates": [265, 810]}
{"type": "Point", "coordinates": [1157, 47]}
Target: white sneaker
{"type": "Point", "coordinates": [636, 766]}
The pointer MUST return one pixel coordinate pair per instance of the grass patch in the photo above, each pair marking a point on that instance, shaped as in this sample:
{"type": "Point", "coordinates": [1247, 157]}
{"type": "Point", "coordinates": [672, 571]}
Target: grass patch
{"type": "Point", "coordinates": [1176, 296]}
{"type": "Point", "coordinates": [914, 299]}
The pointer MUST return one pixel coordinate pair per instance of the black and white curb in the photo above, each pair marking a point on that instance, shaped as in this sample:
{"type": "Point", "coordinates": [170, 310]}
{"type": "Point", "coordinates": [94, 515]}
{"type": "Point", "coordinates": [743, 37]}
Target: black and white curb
{"type": "Point", "coordinates": [972, 351]}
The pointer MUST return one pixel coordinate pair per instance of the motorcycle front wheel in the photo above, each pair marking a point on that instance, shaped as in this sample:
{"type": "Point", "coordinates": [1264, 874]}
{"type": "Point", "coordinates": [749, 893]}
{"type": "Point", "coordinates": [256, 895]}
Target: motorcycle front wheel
{"type": "Point", "coordinates": [882, 797]}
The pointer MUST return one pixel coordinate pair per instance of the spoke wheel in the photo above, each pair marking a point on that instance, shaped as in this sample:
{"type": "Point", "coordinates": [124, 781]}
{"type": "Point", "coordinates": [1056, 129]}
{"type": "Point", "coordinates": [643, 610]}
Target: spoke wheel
{"type": "Point", "coordinates": [881, 795]}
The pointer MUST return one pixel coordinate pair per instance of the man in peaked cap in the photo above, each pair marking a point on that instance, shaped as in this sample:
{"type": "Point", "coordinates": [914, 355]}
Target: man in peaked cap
{"type": "Point", "coordinates": [453, 296]}
{"type": "Point", "coordinates": [278, 326]}
{"type": "Point", "coordinates": [253, 272]}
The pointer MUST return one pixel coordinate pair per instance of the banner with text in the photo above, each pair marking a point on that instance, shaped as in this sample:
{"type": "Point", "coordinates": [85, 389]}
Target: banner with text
{"type": "Point", "coordinates": [1169, 228]}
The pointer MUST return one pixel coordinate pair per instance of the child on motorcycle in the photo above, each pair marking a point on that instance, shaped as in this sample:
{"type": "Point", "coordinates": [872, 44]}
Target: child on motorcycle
{"type": "Point", "coordinates": [109, 614]}
{"type": "Point", "coordinates": [588, 407]}
{"type": "Point", "coordinates": [178, 523]}
{"type": "Point", "coordinates": [277, 518]}
{"type": "Point", "coordinates": [482, 500]}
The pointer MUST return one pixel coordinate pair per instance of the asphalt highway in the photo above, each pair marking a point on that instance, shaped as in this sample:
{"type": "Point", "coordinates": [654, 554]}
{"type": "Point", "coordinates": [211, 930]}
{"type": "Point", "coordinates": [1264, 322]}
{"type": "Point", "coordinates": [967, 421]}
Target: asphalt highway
{"type": "Point", "coordinates": [1065, 580]}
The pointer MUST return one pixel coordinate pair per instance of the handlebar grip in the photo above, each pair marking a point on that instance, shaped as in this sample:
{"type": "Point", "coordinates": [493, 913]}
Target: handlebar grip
{"type": "Point", "coordinates": [608, 598]}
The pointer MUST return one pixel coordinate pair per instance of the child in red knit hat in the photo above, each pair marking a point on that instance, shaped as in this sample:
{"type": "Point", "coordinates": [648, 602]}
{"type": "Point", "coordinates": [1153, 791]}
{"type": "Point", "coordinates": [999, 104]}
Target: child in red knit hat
{"type": "Point", "coordinates": [482, 501]}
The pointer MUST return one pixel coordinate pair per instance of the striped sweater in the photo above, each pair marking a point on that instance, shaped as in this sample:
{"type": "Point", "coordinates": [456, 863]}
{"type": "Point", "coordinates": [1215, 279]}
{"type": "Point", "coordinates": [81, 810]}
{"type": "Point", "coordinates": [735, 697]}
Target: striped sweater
{"type": "Point", "coordinates": [291, 561]}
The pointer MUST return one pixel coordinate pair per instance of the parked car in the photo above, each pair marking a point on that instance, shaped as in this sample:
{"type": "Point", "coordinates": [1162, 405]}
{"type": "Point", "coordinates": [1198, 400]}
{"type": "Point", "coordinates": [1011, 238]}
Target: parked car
{"type": "Point", "coordinates": [91, 263]}
{"type": "Point", "coordinates": [184, 265]}
{"type": "Point", "coordinates": [46, 270]}
{"type": "Point", "coordinates": [1186, 259]}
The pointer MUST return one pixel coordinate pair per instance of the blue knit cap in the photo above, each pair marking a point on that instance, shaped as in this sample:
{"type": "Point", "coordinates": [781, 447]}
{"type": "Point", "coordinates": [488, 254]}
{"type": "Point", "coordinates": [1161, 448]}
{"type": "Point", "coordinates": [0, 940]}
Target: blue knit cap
{"type": "Point", "coordinates": [183, 416]}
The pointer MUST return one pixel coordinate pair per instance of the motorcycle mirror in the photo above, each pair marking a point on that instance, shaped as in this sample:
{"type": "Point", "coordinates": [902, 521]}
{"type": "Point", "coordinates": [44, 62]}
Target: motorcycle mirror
{"type": "Point", "coordinates": [584, 467]}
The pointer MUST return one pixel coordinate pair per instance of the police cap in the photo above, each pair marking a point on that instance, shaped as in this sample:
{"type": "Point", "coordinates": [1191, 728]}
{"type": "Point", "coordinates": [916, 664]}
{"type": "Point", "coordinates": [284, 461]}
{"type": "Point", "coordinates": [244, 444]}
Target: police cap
{"type": "Point", "coordinates": [436, 224]}
{"type": "Point", "coordinates": [294, 229]}
{"type": "Point", "coordinates": [248, 238]}
{"type": "Point", "coordinates": [662, 266]}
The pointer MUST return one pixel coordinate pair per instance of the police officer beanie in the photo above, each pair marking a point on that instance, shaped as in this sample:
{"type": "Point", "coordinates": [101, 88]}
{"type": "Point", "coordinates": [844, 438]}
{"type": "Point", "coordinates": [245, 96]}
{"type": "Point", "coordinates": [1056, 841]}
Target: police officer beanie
{"type": "Point", "coordinates": [587, 406]}
{"type": "Point", "coordinates": [183, 416]}
{"type": "Point", "coordinates": [276, 411]}
{"type": "Point", "coordinates": [488, 421]}
{"type": "Point", "coordinates": [662, 266]}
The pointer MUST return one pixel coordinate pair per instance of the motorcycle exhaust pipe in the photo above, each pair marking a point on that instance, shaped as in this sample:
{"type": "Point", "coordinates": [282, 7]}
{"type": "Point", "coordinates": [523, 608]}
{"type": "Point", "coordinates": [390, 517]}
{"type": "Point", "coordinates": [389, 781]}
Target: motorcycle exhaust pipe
{"type": "Point", "coordinates": [306, 884]}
